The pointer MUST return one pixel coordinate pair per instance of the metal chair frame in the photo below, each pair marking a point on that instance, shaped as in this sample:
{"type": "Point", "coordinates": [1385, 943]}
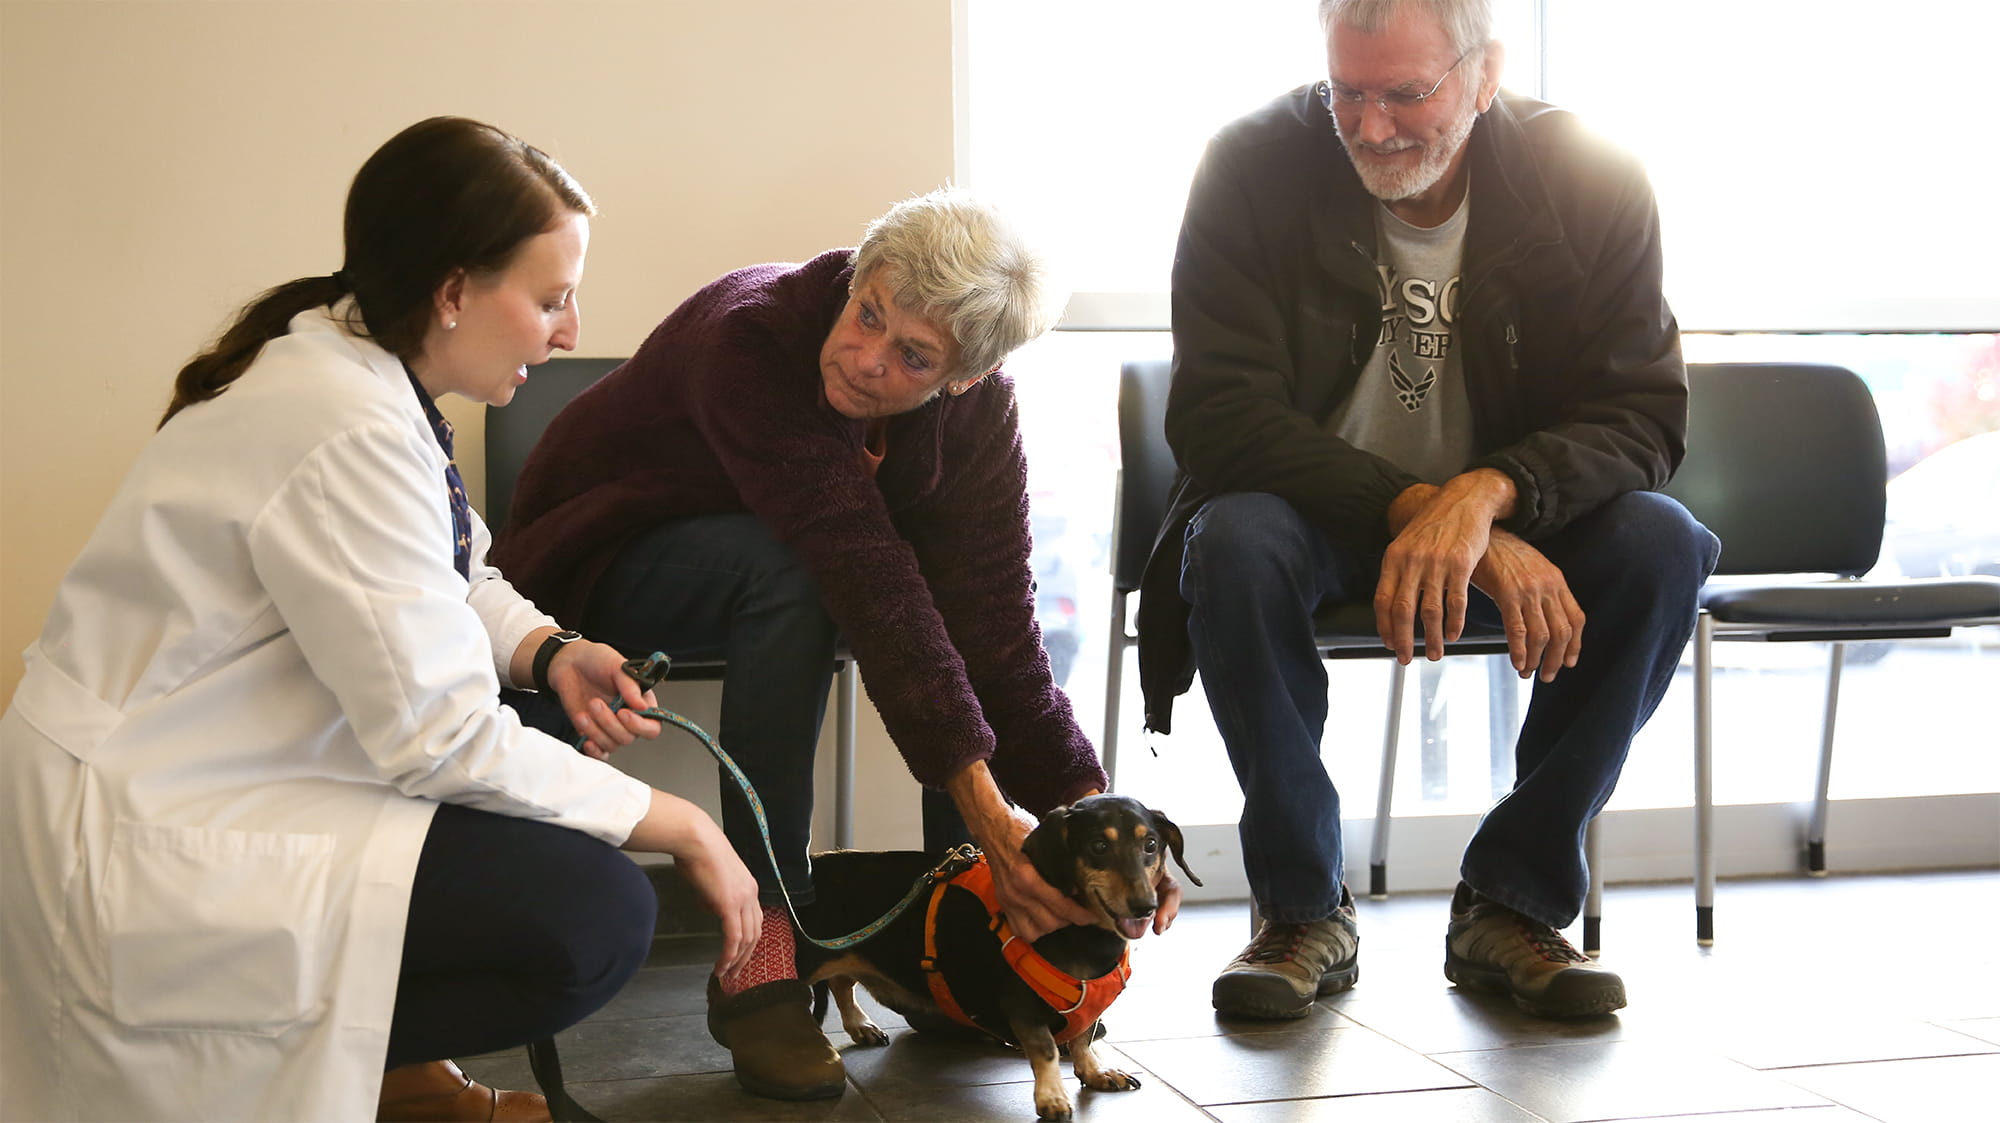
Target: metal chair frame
{"type": "Point", "coordinates": [1806, 498]}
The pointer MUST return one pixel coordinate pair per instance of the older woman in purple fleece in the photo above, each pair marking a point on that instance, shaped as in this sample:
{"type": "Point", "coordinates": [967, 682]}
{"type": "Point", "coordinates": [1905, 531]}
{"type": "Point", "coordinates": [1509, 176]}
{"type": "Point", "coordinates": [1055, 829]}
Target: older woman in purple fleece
{"type": "Point", "coordinates": [803, 452]}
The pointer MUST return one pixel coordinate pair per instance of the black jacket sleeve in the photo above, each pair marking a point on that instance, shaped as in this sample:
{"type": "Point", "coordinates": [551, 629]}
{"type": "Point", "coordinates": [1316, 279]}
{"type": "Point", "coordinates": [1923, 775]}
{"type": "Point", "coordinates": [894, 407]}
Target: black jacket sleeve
{"type": "Point", "coordinates": [1619, 418]}
{"type": "Point", "coordinates": [1233, 415]}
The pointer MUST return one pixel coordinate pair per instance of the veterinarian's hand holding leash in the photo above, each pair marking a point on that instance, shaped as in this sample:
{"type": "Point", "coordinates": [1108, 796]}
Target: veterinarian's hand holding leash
{"type": "Point", "coordinates": [1034, 908]}
{"type": "Point", "coordinates": [1445, 542]}
{"type": "Point", "coordinates": [583, 675]}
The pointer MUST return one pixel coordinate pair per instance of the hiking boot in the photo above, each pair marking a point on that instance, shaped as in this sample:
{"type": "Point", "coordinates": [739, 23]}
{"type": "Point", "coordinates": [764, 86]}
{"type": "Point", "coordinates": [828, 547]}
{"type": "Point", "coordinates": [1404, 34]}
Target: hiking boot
{"type": "Point", "coordinates": [1491, 947]}
{"type": "Point", "coordinates": [1286, 966]}
{"type": "Point", "coordinates": [777, 1048]}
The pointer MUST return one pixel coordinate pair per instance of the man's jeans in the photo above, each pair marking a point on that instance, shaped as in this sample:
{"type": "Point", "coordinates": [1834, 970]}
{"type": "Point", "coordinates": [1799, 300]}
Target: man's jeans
{"type": "Point", "coordinates": [721, 586]}
{"type": "Point", "coordinates": [1254, 572]}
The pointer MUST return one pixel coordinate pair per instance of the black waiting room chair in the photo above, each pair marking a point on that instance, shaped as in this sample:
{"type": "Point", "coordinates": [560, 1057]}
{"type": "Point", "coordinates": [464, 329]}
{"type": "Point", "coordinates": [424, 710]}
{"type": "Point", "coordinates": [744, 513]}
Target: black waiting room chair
{"type": "Point", "coordinates": [511, 432]}
{"type": "Point", "coordinates": [1146, 476]}
{"type": "Point", "coordinates": [1786, 465]}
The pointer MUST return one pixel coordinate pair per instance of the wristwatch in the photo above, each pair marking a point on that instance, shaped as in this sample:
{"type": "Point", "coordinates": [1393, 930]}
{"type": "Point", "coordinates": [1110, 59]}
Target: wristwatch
{"type": "Point", "coordinates": [546, 654]}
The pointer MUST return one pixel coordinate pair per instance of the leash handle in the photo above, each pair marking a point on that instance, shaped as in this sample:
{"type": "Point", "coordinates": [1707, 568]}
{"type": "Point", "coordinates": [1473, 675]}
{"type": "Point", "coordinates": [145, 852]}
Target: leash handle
{"type": "Point", "coordinates": [649, 672]}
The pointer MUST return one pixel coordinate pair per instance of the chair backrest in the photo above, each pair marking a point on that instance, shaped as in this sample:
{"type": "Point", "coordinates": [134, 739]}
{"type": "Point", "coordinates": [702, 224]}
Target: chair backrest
{"type": "Point", "coordinates": [1786, 465]}
{"type": "Point", "coordinates": [513, 429]}
{"type": "Point", "coordinates": [1147, 467]}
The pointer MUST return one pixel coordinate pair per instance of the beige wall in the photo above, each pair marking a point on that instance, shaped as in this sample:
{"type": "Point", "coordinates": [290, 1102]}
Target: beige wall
{"type": "Point", "coordinates": [163, 160]}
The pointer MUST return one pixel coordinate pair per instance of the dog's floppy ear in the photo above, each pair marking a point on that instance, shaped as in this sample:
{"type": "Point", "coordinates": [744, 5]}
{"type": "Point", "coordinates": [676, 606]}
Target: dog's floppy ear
{"type": "Point", "coordinates": [1047, 848]}
{"type": "Point", "coordinates": [1172, 834]}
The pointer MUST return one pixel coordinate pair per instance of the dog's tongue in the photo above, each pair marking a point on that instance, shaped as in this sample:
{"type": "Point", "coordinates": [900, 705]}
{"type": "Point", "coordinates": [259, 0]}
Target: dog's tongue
{"type": "Point", "coordinates": [1133, 927]}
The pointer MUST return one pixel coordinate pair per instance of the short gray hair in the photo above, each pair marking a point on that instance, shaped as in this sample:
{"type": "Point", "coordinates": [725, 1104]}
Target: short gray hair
{"type": "Point", "coordinates": [954, 258]}
{"type": "Point", "coordinates": [1468, 23]}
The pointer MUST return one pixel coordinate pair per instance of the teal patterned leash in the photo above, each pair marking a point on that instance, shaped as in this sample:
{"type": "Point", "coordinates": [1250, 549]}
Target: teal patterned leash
{"type": "Point", "coordinates": [649, 672]}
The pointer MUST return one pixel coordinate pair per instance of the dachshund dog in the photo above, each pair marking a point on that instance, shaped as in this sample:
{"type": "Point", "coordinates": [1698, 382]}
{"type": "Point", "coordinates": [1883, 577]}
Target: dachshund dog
{"type": "Point", "coordinates": [949, 961]}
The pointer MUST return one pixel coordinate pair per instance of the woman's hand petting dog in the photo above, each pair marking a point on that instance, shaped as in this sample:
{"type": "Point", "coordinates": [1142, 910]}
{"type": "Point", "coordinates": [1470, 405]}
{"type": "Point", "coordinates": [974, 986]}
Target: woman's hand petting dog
{"type": "Point", "coordinates": [1033, 906]}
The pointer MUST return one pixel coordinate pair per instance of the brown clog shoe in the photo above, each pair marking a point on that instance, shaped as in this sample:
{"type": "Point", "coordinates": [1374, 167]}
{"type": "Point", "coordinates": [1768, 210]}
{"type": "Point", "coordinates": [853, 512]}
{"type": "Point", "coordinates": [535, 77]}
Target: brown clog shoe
{"type": "Point", "coordinates": [778, 1049]}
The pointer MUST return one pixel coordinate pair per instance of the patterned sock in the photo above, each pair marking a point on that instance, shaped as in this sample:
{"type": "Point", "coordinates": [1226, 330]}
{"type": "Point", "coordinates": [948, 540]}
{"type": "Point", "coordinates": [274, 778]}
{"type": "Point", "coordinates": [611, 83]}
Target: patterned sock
{"type": "Point", "coordinates": [774, 958]}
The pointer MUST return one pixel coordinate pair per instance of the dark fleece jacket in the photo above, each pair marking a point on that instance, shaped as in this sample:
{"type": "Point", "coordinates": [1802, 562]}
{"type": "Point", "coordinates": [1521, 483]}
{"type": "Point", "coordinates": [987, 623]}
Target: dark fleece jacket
{"type": "Point", "coordinates": [924, 567]}
{"type": "Point", "coordinates": [1572, 358]}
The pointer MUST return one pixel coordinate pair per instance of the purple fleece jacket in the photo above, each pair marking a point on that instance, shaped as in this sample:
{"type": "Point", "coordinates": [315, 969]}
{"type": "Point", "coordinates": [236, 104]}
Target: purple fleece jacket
{"type": "Point", "coordinates": [924, 567]}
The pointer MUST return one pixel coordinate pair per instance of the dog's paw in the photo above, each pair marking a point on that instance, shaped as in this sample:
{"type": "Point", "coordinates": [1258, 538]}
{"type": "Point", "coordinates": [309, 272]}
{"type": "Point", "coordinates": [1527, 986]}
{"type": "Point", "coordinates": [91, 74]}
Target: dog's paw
{"type": "Point", "coordinates": [1052, 1104]}
{"type": "Point", "coordinates": [1111, 1080]}
{"type": "Point", "coordinates": [861, 1029]}
{"type": "Point", "coordinates": [867, 1033]}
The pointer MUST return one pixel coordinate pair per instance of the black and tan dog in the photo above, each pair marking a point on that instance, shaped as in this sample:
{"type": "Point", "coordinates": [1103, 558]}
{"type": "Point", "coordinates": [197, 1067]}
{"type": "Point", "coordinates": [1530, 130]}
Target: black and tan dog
{"type": "Point", "coordinates": [950, 961]}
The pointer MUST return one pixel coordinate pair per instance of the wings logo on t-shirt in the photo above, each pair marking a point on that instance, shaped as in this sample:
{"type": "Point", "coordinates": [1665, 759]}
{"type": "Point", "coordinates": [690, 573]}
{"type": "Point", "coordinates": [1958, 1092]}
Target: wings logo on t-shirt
{"type": "Point", "coordinates": [1410, 391]}
{"type": "Point", "coordinates": [1417, 320]}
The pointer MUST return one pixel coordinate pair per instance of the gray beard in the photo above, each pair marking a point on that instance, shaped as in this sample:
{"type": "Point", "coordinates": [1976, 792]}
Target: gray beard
{"type": "Point", "coordinates": [1391, 185]}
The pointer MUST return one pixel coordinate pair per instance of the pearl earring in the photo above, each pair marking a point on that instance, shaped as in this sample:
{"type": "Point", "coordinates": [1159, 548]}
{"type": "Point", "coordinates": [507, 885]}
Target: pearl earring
{"type": "Point", "coordinates": [452, 326]}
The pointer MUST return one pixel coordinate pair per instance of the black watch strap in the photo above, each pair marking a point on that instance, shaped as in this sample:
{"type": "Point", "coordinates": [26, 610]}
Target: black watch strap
{"type": "Point", "coordinates": [545, 654]}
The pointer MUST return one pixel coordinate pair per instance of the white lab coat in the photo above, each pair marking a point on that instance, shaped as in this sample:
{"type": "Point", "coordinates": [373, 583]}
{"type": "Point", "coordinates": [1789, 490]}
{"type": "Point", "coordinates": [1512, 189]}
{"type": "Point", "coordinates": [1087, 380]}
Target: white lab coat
{"type": "Point", "coordinates": [255, 684]}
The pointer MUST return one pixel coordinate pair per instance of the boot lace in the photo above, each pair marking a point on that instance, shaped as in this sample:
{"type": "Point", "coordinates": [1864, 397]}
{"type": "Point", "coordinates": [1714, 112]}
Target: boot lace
{"type": "Point", "coordinates": [1275, 943]}
{"type": "Point", "coordinates": [1549, 943]}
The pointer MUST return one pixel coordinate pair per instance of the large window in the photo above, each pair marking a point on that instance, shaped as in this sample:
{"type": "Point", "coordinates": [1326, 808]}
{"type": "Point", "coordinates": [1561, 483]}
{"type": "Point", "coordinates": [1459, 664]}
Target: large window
{"type": "Point", "coordinates": [1822, 167]}
{"type": "Point", "coordinates": [1820, 164]}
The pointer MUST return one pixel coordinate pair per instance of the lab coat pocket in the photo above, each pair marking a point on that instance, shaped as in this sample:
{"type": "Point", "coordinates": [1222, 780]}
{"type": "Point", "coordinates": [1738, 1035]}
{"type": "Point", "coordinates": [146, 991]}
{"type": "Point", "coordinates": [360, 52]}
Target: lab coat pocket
{"type": "Point", "coordinates": [216, 930]}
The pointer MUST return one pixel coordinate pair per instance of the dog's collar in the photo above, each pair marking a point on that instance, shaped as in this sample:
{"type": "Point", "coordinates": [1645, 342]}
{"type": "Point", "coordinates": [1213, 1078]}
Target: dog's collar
{"type": "Point", "coordinates": [1079, 1001]}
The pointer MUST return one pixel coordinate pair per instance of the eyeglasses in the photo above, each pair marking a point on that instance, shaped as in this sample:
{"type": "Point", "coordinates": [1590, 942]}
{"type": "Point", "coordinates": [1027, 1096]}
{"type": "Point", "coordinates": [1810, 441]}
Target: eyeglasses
{"type": "Point", "coordinates": [1338, 97]}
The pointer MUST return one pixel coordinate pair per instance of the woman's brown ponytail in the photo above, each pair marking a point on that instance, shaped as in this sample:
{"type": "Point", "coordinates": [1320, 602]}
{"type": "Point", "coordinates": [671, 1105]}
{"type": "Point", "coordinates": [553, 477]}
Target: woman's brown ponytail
{"type": "Point", "coordinates": [262, 320]}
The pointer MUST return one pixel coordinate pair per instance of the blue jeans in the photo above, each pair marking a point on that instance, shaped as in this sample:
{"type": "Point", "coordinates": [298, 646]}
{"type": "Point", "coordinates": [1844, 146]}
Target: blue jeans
{"type": "Point", "coordinates": [722, 586]}
{"type": "Point", "coordinates": [1254, 572]}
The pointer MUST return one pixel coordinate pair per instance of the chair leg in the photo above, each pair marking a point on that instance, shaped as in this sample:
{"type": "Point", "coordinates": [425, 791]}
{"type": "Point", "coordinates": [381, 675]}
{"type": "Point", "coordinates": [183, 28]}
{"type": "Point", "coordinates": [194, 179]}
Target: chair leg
{"type": "Point", "coordinates": [847, 692]}
{"type": "Point", "coordinates": [1593, 900]}
{"type": "Point", "coordinates": [1816, 833]}
{"type": "Point", "coordinates": [1704, 793]}
{"type": "Point", "coordinates": [1385, 791]}
{"type": "Point", "coordinates": [1503, 722]}
{"type": "Point", "coordinates": [1433, 731]}
{"type": "Point", "coordinates": [1114, 686]}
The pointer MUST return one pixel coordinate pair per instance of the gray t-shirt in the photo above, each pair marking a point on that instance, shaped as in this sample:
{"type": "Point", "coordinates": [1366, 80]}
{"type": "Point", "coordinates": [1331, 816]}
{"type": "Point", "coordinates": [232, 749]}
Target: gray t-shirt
{"type": "Point", "coordinates": [1409, 406]}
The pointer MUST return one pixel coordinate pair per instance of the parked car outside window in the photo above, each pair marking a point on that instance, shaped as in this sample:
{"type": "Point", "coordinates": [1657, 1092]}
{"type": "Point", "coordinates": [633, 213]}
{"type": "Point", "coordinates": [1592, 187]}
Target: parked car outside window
{"type": "Point", "coordinates": [1944, 512]}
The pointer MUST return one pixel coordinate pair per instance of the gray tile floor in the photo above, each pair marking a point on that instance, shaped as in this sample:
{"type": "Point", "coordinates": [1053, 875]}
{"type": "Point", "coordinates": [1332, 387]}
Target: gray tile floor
{"type": "Point", "coordinates": [1823, 1001]}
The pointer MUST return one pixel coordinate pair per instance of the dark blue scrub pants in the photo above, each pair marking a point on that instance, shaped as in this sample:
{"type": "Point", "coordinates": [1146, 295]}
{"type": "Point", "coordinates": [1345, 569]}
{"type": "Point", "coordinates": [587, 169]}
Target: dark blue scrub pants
{"type": "Point", "coordinates": [517, 929]}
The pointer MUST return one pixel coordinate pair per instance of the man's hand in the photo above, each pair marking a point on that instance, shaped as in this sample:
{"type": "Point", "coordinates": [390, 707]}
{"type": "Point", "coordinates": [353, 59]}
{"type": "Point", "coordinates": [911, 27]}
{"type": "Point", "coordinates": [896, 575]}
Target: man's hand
{"type": "Point", "coordinates": [1543, 621]}
{"type": "Point", "coordinates": [1034, 908]}
{"type": "Point", "coordinates": [1441, 535]}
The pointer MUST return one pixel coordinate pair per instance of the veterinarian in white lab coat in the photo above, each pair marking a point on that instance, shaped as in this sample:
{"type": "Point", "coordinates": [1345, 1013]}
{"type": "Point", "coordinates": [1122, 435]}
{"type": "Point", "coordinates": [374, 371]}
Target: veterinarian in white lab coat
{"type": "Point", "coordinates": [265, 705]}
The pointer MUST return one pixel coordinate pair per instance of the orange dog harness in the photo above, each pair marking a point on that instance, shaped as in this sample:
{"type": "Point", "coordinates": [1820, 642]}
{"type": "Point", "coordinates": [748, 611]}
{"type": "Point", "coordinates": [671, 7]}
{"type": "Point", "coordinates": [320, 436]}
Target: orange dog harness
{"type": "Point", "coordinates": [1079, 1001]}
